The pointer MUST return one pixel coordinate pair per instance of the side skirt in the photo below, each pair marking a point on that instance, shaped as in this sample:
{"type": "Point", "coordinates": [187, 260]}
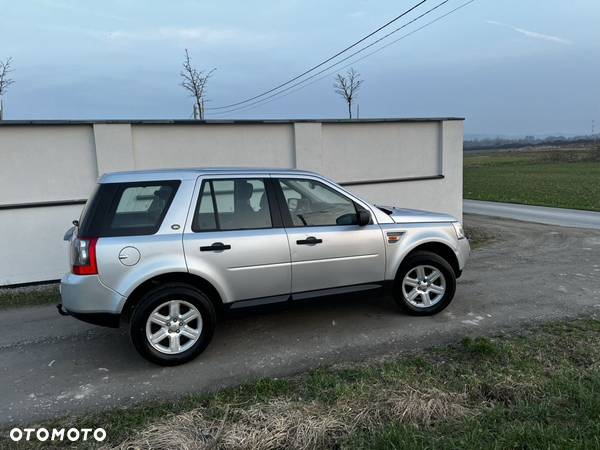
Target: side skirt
{"type": "Point", "coordinates": [306, 295]}
{"type": "Point", "coordinates": [337, 291]}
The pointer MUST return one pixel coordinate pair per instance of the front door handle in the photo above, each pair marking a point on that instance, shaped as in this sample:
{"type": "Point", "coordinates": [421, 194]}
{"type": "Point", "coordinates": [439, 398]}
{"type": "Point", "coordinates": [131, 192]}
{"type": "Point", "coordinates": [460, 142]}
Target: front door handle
{"type": "Point", "coordinates": [216, 246]}
{"type": "Point", "coordinates": [311, 240]}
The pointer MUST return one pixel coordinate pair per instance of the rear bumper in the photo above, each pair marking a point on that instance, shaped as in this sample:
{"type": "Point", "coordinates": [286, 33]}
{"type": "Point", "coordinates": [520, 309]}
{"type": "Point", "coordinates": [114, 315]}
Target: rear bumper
{"type": "Point", "coordinates": [86, 298]}
{"type": "Point", "coordinates": [102, 319]}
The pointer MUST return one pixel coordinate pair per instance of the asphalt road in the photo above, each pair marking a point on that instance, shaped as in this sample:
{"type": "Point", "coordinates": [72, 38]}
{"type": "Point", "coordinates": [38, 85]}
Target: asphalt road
{"type": "Point", "coordinates": [539, 214]}
{"type": "Point", "coordinates": [52, 365]}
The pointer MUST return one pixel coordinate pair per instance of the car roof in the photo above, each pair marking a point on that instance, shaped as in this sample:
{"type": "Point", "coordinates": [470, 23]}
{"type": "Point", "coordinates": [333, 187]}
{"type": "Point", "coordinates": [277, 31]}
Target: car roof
{"type": "Point", "coordinates": [192, 173]}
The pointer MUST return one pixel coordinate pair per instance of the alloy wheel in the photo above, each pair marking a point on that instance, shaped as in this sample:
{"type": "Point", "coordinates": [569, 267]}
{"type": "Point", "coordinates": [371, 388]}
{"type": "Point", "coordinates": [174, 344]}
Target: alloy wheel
{"type": "Point", "coordinates": [423, 286]}
{"type": "Point", "coordinates": [173, 327]}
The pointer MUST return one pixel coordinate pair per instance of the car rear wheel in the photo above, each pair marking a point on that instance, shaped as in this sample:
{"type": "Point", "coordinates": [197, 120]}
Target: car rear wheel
{"type": "Point", "coordinates": [173, 324]}
{"type": "Point", "coordinates": [425, 284]}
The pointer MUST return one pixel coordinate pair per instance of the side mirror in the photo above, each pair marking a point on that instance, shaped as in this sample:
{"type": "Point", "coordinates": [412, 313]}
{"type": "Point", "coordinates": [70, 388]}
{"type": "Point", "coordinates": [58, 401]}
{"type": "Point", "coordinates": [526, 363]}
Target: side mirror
{"type": "Point", "coordinates": [363, 218]}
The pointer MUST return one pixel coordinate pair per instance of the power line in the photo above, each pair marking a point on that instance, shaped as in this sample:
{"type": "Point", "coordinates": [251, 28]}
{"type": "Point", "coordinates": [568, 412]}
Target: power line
{"type": "Point", "coordinates": [404, 36]}
{"type": "Point", "coordinates": [323, 62]}
{"type": "Point", "coordinates": [342, 60]}
{"type": "Point", "coordinates": [276, 95]}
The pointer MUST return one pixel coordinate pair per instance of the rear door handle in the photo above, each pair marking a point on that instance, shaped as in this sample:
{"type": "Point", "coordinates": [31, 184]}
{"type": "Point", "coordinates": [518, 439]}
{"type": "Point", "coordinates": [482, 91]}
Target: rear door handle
{"type": "Point", "coordinates": [216, 246]}
{"type": "Point", "coordinates": [311, 240]}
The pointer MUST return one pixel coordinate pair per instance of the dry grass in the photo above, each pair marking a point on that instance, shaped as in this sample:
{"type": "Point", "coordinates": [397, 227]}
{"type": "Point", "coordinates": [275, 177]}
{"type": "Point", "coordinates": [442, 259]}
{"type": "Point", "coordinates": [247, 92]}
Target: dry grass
{"type": "Point", "coordinates": [273, 425]}
{"type": "Point", "coordinates": [297, 425]}
{"type": "Point", "coordinates": [427, 407]}
{"type": "Point", "coordinates": [508, 391]}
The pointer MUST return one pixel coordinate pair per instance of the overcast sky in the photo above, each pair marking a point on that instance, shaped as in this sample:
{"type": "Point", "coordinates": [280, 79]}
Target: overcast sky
{"type": "Point", "coordinates": [509, 67]}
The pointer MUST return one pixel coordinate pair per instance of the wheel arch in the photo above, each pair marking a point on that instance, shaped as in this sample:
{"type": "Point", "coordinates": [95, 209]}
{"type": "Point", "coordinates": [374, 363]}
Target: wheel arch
{"type": "Point", "coordinates": [171, 277]}
{"type": "Point", "coordinates": [439, 248]}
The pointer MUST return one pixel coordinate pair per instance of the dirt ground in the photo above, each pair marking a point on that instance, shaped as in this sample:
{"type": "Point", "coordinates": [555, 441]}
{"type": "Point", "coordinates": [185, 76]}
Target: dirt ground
{"type": "Point", "coordinates": [52, 365]}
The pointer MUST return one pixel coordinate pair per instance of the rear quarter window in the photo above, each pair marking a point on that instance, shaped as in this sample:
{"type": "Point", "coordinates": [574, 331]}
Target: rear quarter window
{"type": "Point", "coordinates": [127, 209]}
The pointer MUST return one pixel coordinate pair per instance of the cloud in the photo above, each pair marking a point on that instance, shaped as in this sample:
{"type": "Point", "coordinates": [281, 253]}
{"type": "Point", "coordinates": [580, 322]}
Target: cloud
{"type": "Point", "coordinates": [206, 35]}
{"type": "Point", "coordinates": [532, 34]}
{"type": "Point", "coordinates": [357, 14]}
{"type": "Point", "coordinates": [69, 6]}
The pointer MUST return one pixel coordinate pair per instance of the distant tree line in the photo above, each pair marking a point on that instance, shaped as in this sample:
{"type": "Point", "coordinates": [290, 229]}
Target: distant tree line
{"type": "Point", "coordinates": [527, 141]}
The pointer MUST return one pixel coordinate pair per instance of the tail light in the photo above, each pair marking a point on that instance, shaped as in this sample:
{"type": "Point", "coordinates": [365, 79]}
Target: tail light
{"type": "Point", "coordinates": [83, 256]}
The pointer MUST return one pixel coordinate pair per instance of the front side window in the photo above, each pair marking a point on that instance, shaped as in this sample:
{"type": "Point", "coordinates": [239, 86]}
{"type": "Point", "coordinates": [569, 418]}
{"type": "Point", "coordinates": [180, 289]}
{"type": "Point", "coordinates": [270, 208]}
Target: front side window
{"type": "Point", "coordinates": [235, 204]}
{"type": "Point", "coordinates": [312, 203]}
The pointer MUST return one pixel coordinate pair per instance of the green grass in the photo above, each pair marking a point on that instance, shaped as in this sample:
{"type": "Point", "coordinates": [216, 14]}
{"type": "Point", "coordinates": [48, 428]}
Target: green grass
{"type": "Point", "coordinates": [558, 178]}
{"type": "Point", "coordinates": [18, 297]}
{"type": "Point", "coordinates": [537, 390]}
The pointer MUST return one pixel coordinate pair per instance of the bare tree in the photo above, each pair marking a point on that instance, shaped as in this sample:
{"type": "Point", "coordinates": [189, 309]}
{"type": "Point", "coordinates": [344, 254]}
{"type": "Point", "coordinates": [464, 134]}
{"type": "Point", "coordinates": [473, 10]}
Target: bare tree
{"type": "Point", "coordinates": [195, 82]}
{"type": "Point", "coordinates": [347, 86]}
{"type": "Point", "coordinates": [5, 81]}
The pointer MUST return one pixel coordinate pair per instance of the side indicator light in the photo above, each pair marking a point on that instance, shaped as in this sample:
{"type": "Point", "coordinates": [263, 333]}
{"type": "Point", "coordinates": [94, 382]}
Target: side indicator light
{"type": "Point", "coordinates": [394, 236]}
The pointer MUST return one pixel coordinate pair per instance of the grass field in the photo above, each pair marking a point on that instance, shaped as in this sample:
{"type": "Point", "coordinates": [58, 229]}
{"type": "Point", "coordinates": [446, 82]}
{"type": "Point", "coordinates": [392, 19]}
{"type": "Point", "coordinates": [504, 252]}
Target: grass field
{"type": "Point", "coordinates": [537, 390]}
{"type": "Point", "coordinates": [558, 178]}
{"type": "Point", "coordinates": [29, 296]}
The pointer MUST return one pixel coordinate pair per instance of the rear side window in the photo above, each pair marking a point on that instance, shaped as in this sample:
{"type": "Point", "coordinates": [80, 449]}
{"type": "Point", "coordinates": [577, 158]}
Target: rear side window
{"type": "Point", "coordinates": [127, 209]}
{"type": "Point", "coordinates": [238, 204]}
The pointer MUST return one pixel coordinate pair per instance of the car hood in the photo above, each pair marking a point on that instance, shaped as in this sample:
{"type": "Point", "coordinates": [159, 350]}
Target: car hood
{"type": "Point", "coordinates": [401, 215]}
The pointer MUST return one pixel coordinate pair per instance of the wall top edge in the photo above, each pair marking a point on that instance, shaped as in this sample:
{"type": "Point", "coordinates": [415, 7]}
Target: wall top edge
{"type": "Point", "coordinates": [226, 122]}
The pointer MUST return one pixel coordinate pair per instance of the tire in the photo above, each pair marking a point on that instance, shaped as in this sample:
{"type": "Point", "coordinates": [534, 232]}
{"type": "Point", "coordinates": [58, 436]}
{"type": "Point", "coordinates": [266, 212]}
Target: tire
{"type": "Point", "coordinates": [413, 286]}
{"type": "Point", "coordinates": [182, 339]}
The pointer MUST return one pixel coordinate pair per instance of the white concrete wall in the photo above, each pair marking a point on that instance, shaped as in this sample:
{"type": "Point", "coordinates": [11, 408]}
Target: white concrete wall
{"type": "Point", "coordinates": [365, 151]}
{"type": "Point", "coordinates": [159, 146]}
{"type": "Point", "coordinates": [31, 245]}
{"type": "Point", "coordinates": [443, 195]}
{"type": "Point", "coordinates": [49, 163]}
{"type": "Point", "coordinates": [42, 163]}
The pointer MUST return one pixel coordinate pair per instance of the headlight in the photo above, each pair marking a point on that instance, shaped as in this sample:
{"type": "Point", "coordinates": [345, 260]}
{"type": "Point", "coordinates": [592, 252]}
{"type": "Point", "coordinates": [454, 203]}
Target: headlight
{"type": "Point", "coordinates": [460, 233]}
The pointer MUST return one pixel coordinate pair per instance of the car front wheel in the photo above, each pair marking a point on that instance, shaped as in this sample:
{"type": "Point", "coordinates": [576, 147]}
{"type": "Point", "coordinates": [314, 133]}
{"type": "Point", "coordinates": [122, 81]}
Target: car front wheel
{"type": "Point", "coordinates": [425, 284]}
{"type": "Point", "coordinates": [173, 324]}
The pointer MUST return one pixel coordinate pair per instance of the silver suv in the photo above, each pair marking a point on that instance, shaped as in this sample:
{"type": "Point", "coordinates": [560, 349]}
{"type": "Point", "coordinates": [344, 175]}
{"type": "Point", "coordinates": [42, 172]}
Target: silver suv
{"type": "Point", "coordinates": [166, 250]}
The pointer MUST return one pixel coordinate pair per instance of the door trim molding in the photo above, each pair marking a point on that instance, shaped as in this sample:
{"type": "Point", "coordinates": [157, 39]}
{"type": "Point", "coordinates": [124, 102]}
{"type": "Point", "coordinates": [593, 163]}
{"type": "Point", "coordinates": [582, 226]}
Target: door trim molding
{"type": "Point", "coordinates": [260, 301]}
{"type": "Point", "coordinates": [350, 289]}
{"type": "Point", "coordinates": [305, 295]}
